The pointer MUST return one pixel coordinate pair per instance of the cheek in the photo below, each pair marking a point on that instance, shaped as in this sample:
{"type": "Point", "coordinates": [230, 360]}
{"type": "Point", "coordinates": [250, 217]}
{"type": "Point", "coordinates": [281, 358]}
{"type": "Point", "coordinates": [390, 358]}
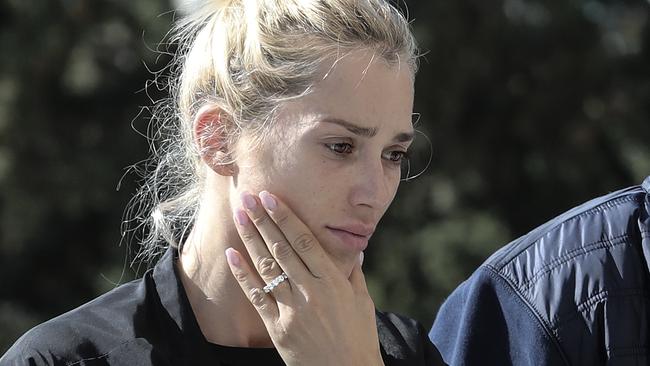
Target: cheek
{"type": "Point", "coordinates": [268, 166]}
{"type": "Point", "coordinates": [311, 188]}
{"type": "Point", "coordinates": [394, 180]}
{"type": "Point", "coordinates": [306, 182]}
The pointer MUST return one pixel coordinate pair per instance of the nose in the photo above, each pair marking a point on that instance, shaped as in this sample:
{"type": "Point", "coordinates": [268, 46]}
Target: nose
{"type": "Point", "coordinates": [372, 185]}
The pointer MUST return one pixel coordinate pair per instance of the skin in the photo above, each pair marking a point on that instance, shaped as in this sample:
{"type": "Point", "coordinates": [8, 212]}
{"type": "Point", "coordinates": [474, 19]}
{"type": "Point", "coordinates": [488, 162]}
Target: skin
{"type": "Point", "coordinates": [331, 183]}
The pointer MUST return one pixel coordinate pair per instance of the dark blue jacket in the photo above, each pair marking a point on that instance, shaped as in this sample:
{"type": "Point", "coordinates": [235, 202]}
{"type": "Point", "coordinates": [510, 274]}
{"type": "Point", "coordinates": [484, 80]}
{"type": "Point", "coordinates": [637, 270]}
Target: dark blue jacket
{"type": "Point", "coordinates": [574, 291]}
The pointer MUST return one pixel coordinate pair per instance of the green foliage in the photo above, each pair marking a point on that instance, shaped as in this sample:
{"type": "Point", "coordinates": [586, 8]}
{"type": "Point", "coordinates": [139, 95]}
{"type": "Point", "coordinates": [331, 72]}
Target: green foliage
{"type": "Point", "coordinates": [531, 108]}
{"type": "Point", "coordinates": [71, 72]}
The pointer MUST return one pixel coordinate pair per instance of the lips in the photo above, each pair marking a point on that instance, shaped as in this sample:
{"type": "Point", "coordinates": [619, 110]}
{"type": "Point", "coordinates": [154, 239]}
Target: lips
{"type": "Point", "coordinates": [354, 236]}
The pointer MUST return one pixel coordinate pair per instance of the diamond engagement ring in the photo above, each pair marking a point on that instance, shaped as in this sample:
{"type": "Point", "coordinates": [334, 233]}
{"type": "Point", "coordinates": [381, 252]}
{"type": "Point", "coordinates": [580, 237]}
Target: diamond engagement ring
{"type": "Point", "coordinates": [275, 282]}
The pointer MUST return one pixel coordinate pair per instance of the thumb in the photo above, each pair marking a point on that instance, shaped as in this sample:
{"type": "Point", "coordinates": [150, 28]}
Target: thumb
{"type": "Point", "coordinates": [357, 279]}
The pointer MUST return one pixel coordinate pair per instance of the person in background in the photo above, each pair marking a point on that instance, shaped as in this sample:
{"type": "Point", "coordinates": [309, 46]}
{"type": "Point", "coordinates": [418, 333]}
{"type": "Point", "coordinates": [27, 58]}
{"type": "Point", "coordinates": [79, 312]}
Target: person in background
{"type": "Point", "coordinates": [278, 153]}
{"type": "Point", "coordinates": [574, 291]}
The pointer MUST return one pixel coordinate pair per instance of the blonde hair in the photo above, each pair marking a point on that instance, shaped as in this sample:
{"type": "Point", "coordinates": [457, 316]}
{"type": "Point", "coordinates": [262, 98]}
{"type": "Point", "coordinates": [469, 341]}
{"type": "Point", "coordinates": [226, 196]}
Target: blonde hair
{"type": "Point", "coordinates": [246, 56]}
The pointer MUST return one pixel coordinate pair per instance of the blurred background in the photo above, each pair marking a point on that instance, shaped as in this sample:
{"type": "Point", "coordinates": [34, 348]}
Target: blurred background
{"type": "Point", "coordinates": [531, 108]}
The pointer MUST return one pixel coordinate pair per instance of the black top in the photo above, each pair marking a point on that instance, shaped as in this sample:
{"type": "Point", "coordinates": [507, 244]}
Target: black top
{"type": "Point", "coordinates": [150, 322]}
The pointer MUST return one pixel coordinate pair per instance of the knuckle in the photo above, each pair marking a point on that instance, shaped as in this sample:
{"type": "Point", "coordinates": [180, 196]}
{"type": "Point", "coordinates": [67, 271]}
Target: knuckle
{"type": "Point", "coordinates": [313, 302]}
{"type": "Point", "coordinates": [241, 276]}
{"type": "Point", "coordinates": [257, 298]}
{"type": "Point", "coordinates": [261, 220]}
{"type": "Point", "coordinates": [282, 219]}
{"type": "Point", "coordinates": [304, 243]}
{"type": "Point", "coordinates": [248, 236]}
{"type": "Point", "coordinates": [282, 250]}
{"type": "Point", "coordinates": [267, 266]}
{"type": "Point", "coordinates": [291, 324]}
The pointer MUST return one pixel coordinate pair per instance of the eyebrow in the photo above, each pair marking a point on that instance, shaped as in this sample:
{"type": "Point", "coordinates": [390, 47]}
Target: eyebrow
{"type": "Point", "coordinates": [367, 132]}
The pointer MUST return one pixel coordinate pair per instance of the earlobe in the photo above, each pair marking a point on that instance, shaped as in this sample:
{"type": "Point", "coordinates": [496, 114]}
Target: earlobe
{"type": "Point", "coordinates": [210, 137]}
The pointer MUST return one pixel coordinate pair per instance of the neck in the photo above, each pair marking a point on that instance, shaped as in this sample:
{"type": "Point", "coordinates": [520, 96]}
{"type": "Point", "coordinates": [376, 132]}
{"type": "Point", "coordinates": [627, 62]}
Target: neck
{"type": "Point", "coordinates": [223, 312]}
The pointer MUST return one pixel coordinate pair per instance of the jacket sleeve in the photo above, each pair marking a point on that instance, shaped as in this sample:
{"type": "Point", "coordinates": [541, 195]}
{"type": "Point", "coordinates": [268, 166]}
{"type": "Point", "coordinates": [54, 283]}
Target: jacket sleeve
{"type": "Point", "coordinates": [19, 356]}
{"type": "Point", "coordinates": [485, 322]}
{"type": "Point", "coordinates": [35, 348]}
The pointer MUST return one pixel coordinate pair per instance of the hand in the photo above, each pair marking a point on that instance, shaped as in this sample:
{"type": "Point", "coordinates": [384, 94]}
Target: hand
{"type": "Point", "coordinates": [315, 317]}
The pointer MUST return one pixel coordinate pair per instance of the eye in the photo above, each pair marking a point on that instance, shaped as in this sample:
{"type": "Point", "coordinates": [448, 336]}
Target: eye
{"type": "Point", "coordinates": [396, 156]}
{"type": "Point", "coordinates": [340, 148]}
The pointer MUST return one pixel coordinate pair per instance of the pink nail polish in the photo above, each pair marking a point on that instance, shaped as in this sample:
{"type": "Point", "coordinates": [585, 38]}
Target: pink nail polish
{"type": "Point", "coordinates": [248, 200]}
{"type": "Point", "coordinates": [232, 257]}
{"type": "Point", "coordinates": [241, 217]}
{"type": "Point", "coordinates": [267, 201]}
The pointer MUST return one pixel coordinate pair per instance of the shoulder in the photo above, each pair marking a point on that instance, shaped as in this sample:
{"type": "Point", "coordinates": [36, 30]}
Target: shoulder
{"type": "Point", "coordinates": [55, 342]}
{"type": "Point", "coordinates": [591, 251]}
{"type": "Point", "coordinates": [546, 291]}
{"type": "Point", "coordinates": [606, 221]}
{"type": "Point", "coordinates": [404, 341]}
{"type": "Point", "coordinates": [90, 331]}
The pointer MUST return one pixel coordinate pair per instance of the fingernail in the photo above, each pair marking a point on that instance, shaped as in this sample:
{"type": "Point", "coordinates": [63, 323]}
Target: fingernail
{"type": "Point", "coordinates": [241, 217]}
{"type": "Point", "coordinates": [248, 200]}
{"type": "Point", "coordinates": [267, 201]}
{"type": "Point", "coordinates": [232, 257]}
{"type": "Point", "coordinates": [361, 255]}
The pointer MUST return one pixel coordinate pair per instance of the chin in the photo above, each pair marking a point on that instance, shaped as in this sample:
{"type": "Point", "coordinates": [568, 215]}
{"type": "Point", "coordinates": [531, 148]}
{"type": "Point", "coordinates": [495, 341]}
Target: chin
{"type": "Point", "coordinates": [346, 266]}
{"type": "Point", "coordinates": [343, 259]}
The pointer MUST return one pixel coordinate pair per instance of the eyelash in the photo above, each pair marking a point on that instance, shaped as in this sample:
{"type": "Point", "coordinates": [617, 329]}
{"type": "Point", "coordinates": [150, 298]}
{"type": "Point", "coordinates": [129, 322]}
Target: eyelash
{"type": "Point", "coordinates": [403, 155]}
{"type": "Point", "coordinates": [333, 148]}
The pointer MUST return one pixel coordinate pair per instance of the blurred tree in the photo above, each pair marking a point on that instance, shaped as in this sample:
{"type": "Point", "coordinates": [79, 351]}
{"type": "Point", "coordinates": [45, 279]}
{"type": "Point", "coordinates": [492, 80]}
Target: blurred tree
{"type": "Point", "coordinates": [71, 72]}
{"type": "Point", "coordinates": [531, 108]}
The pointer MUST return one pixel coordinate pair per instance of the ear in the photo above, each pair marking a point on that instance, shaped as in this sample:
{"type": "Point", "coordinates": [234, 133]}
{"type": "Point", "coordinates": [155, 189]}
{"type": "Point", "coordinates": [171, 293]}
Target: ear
{"type": "Point", "coordinates": [211, 140]}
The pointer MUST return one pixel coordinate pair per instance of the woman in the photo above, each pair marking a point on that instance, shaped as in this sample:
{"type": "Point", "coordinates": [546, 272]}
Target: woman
{"type": "Point", "coordinates": [290, 121]}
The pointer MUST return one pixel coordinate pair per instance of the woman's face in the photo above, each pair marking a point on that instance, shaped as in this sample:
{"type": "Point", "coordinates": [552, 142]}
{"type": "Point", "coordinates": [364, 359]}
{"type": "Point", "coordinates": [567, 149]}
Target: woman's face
{"type": "Point", "coordinates": [334, 155]}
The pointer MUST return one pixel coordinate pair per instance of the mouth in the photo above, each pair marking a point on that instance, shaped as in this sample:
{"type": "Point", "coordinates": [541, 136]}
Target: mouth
{"type": "Point", "coordinates": [355, 239]}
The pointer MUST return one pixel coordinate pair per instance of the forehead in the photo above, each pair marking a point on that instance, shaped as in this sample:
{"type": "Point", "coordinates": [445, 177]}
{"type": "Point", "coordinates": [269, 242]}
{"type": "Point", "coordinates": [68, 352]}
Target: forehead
{"type": "Point", "coordinates": [360, 88]}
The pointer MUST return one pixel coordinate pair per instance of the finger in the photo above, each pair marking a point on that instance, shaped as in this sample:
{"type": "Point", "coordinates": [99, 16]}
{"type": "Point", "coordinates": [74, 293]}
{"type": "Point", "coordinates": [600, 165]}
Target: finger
{"type": "Point", "coordinates": [275, 240]}
{"type": "Point", "coordinates": [360, 289]}
{"type": "Point", "coordinates": [267, 267]}
{"type": "Point", "coordinates": [357, 278]}
{"type": "Point", "coordinates": [299, 236]}
{"type": "Point", "coordinates": [252, 287]}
